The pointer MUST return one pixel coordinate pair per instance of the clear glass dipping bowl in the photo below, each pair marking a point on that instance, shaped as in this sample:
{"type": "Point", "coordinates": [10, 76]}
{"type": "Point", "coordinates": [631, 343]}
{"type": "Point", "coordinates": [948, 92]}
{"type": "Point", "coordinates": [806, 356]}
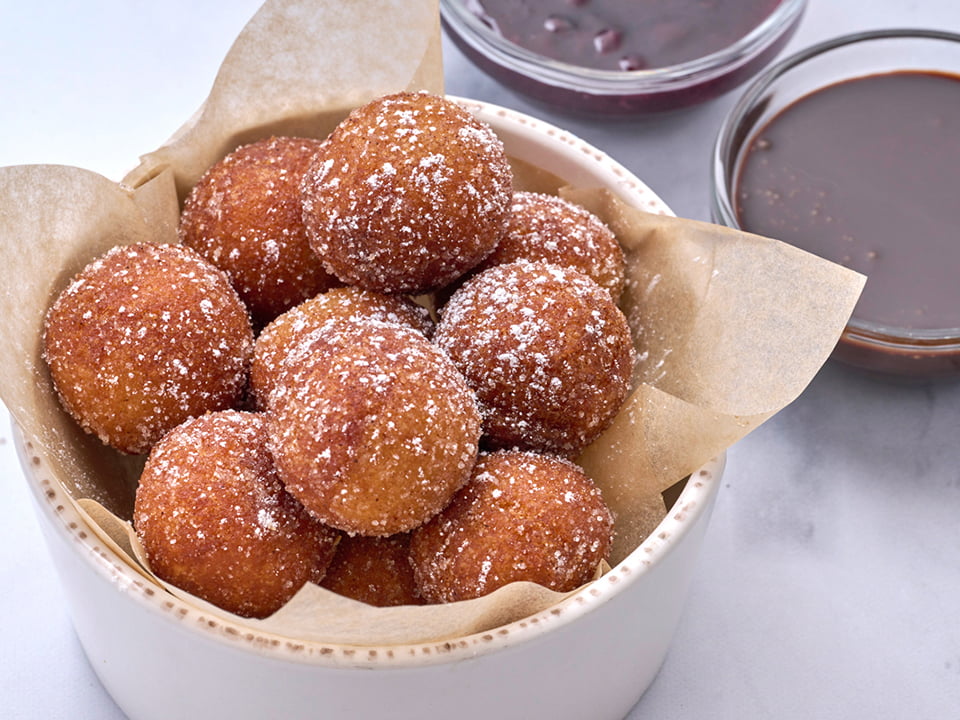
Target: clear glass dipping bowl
{"type": "Point", "coordinates": [615, 92]}
{"type": "Point", "coordinates": [885, 350]}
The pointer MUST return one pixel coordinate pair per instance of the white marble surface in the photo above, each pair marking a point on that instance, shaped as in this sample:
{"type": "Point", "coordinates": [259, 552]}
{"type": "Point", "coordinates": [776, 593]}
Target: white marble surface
{"type": "Point", "coordinates": [830, 583]}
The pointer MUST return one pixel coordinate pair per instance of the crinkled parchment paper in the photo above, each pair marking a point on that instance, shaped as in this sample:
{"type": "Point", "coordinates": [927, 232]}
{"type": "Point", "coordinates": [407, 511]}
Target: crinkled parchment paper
{"type": "Point", "coordinates": [730, 327]}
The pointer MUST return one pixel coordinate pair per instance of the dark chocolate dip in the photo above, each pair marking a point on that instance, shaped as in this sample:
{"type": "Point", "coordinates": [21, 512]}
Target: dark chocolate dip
{"type": "Point", "coordinates": [867, 173]}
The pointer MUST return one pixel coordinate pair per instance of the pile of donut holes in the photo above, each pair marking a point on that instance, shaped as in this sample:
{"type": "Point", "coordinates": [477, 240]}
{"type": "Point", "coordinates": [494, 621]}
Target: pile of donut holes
{"type": "Point", "coordinates": [306, 418]}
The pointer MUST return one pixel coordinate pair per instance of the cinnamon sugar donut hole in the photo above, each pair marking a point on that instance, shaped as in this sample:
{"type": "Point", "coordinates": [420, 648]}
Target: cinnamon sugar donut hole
{"type": "Point", "coordinates": [288, 334]}
{"type": "Point", "coordinates": [552, 229]}
{"type": "Point", "coordinates": [546, 350]}
{"type": "Point", "coordinates": [408, 193]}
{"type": "Point", "coordinates": [244, 216]}
{"type": "Point", "coordinates": [374, 430]}
{"type": "Point", "coordinates": [216, 522]}
{"type": "Point", "coordinates": [522, 516]}
{"type": "Point", "coordinates": [143, 338]}
{"type": "Point", "coordinates": [374, 570]}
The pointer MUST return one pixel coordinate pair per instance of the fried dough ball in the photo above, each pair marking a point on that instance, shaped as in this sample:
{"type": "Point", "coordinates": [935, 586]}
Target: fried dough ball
{"type": "Point", "coordinates": [244, 216]}
{"type": "Point", "coordinates": [288, 333]}
{"type": "Point", "coordinates": [545, 349]}
{"type": "Point", "coordinates": [408, 193]}
{"type": "Point", "coordinates": [522, 516]}
{"type": "Point", "coordinates": [374, 570]}
{"type": "Point", "coordinates": [216, 522]}
{"type": "Point", "coordinates": [549, 228]}
{"type": "Point", "coordinates": [374, 430]}
{"type": "Point", "coordinates": [131, 359]}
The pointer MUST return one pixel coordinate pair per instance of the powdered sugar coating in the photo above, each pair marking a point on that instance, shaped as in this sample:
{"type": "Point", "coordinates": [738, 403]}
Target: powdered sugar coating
{"type": "Point", "coordinates": [131, 359]}
{"type": "Point", "coordinates": [550, 228]}
{"type": "Point", "coordinates": [545, 349]}
{"type": "Point", "coordinates": [407, 194]}
{"type": "Point", "coordinates": [244, 216]}
{"type": "Point", "coordinates": [373, 429]}
{"type": "Point", "coordinates": [284, 337]}
{"type": "Point", "coordinates": [215, 520]}
{"type": "Point", "coordinates": [522, 516]}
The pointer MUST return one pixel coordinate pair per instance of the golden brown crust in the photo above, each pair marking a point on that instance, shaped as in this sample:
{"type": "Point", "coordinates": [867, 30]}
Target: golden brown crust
{"type": "Point", "coordinates": [407, 194]}
{"type": "Point", "coordinates": [369, 430]}
{"type": "Point", "coordinates": [522, 516]}
{"type": "Point", "coordinates": [289, 332]}
{"type": "Point", "coordinates": [545, 349]}
{"type": "Point", "coordinates": [549, 228]}
{"type": "Point", "coordinates": [374, 570]}
{"type": "Point", "coordinates": [130, 359]}
{"type": "Point", "coordinates": [244, 216]}
{"type": "Point", "coordinates": [215, 520]}
{"type": "Point", "coordinates": [374, 430]}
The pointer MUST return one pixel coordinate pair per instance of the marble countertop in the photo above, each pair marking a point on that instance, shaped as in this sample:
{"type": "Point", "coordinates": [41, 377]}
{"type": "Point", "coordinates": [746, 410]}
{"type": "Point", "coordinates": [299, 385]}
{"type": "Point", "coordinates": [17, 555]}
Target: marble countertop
{"type": "Point", "coordinates": [829, 583]}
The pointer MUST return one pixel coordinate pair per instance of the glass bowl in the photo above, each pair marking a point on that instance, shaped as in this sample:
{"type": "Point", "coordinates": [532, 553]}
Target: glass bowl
{"type": "Point", "coordinates": [884, 348]}
{"type": "Point", "coordinates": [617, 92]}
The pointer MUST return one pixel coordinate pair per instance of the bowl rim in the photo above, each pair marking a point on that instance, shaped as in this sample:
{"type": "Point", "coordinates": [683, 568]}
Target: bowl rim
{"type": "Point", "coordinates": [929, 341]}
{"type": "Point", "coordinates": [695, 500]}
{"type": "Point", "coordinates": [483, 40]}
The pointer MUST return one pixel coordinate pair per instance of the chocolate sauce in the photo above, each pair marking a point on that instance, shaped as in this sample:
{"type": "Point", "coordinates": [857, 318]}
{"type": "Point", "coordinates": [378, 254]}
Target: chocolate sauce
{"type": "Point", "coordinates": [623, 34]}
{"type": "Point", "coordinates": [867, 173]}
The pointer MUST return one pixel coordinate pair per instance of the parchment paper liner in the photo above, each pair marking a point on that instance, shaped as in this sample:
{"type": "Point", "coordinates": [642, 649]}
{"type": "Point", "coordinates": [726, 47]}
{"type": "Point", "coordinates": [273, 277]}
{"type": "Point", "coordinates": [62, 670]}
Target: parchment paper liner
{"type": "Point", "coordinates": [731, 326]}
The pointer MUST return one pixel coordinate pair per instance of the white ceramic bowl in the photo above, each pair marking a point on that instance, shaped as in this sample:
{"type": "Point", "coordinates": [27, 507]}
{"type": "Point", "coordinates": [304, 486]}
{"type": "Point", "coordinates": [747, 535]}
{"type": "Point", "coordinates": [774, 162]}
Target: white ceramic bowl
{"type": "Point", "coordinates": [590, 656]}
